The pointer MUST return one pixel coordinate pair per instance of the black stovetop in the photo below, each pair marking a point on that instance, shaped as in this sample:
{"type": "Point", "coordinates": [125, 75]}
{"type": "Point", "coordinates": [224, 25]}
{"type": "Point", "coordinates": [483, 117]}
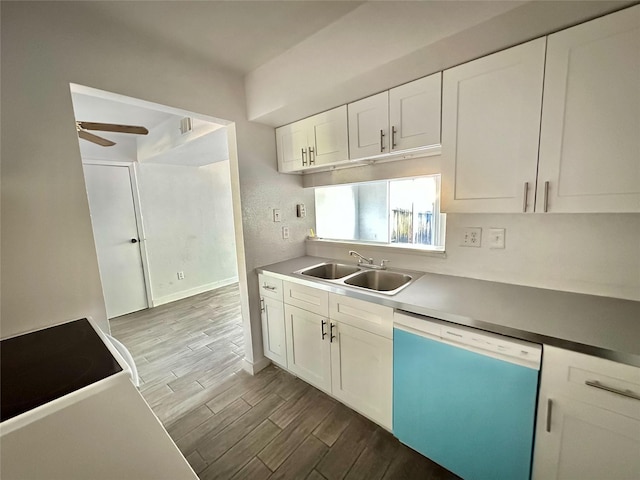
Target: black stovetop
{"type": "Point", "coordinates": [42, 366]}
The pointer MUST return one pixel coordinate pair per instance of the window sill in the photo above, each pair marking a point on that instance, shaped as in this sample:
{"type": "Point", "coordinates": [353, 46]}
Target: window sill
{"type": "Point", "coordinates": [408, 249]}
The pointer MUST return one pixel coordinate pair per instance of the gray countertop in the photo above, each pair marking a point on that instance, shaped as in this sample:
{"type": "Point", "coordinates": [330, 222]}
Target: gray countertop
{"type": "Point", "coordinates": [601, 326]}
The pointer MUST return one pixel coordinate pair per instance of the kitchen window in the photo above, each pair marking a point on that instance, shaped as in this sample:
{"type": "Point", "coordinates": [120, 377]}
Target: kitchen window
{"type": "Point", "coordinates": [401, 213]}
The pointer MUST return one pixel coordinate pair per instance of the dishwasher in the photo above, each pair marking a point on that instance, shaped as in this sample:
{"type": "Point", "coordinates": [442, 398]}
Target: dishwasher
{"type": "Point", "coordinates": [465, 398]}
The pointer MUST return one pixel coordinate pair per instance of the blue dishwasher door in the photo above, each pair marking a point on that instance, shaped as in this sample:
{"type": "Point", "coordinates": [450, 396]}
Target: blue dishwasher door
{"type": "Point", "coordinates": [468, 412]}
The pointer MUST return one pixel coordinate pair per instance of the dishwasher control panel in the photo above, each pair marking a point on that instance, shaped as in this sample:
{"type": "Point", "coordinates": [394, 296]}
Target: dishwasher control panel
{"type": "Point", "coordinates": [507, 348]}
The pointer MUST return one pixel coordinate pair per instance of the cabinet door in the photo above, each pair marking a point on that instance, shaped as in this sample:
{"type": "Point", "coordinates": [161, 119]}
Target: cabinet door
{"type": "Point", "coordinates": [327, 135]}
{"type": "Point", "coordinates": [590, 136]}
{"type": "Point", "coordinates": [369, 126]}
{"type": "Point", "coordinates": [362, 373]}
{"type": "Point", "coordinates": [308, 348]}
{"type": "Point", "coordinates": [414, 112]}
{"type": "Point", "coordinates": [292, 145]}
{"type": "Point", "coordinates": [584, 441]}
{"type": "Point", "coordinates": [273, 330]}
{"type": "Point", "coordinates": [490, 131]}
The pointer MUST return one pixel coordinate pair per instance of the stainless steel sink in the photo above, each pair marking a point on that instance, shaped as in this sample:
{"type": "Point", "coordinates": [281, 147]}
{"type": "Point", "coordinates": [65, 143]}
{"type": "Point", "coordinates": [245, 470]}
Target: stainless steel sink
{"type": "Point", "coordinates": [330, 271]}
{"type": "Point", "coordinates": [379, 280]}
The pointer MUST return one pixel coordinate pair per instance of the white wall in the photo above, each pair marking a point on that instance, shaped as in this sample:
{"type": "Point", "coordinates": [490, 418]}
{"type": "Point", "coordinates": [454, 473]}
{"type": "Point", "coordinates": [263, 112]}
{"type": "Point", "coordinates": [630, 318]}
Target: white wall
{"type": "Point", "coordinates": [596, 254]}
{"type": "Point", "coordinates": [49, 265]}
{"type": "Point", "coordinates": [187, 213]}
{"type": "Point", "coordinates": [380, 45]}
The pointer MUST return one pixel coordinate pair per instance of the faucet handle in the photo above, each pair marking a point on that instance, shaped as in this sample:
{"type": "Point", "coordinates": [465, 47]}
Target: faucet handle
{"type": "Point", "coordinates": [383, 263]}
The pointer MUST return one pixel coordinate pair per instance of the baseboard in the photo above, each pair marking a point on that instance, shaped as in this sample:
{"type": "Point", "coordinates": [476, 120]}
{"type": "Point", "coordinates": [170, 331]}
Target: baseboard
{"type": "Point", "coordinates": [193, 291]}
{"type": "Point", "coordinates": [255, 367]}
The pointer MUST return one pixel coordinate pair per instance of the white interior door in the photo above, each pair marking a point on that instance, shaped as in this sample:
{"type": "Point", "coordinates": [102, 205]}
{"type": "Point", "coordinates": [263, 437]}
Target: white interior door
{"type": "Point", "coordinates": [116, 235]}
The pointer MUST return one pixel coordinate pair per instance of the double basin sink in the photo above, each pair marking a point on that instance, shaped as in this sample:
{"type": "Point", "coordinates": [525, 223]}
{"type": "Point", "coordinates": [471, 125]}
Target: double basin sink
{"type": "Point", "coordinates": [380, 281]}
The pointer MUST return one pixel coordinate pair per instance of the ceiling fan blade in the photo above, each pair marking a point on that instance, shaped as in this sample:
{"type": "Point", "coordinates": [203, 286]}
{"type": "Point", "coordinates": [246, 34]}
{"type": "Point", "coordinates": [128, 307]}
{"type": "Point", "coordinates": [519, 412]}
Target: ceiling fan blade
{"type": "Point", "coordinates": [95, 139]}
{"type": "Point", "coordinates": [112, 127]}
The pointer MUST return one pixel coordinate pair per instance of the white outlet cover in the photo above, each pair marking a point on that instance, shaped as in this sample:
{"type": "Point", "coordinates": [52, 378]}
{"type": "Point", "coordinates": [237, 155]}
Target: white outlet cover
{"type": "Point", "coordinates": [496, 237]}
{"type": "Point", "coordinates": [472, 237]}
{"type": "Point", "coordinates": [285, 233]}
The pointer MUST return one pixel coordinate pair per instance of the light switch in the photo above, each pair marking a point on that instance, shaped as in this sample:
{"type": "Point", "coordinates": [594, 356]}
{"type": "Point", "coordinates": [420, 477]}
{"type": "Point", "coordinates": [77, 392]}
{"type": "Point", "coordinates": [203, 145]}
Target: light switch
{"type": "Point", "coordinates": [276, 215]}
{"type": "Point", "coordinates": [496, 237]}
{"type": "Point", "coordinates": [301, 212]}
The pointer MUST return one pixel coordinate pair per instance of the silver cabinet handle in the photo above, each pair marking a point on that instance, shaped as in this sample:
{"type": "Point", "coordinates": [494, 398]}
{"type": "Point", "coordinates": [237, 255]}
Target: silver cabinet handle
{"type": "Point", "coordinates": [331, 335]}
{"type": "Point", "coordinates": [322, 325]}
{"type": "Point", "coordinates": [304, 160]}
{"type": "Point", "coordinates": [617, 391]}
{"type": "Point", "coordinates": [381, 140]}
{"type": "Point", "coordinates": [526, 195]}
{"type": "Point", "coordinates": [393, 137]}
{"type": "Point", "coordinates": [312, 156]}
{"type": "Point", "coordinates": [546, 197]}
{"type": "Point", "coordinates": [262, 304]}
{"type": "Point", "coordinates": [549, 407]}
{"type": "Point", "coordinates": [268, 287]}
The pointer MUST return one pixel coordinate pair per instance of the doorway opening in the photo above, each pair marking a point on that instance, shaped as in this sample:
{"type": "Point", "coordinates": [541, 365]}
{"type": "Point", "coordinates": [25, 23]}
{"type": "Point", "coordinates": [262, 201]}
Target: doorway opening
{"type": "Point", "coordinates": [161, 198]}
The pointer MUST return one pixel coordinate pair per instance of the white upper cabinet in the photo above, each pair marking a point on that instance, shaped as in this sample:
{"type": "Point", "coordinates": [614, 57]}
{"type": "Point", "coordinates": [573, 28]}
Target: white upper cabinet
{"type": "Point", "coordinates": [314, 141]}
{"type": "Point", "coordinates": [369, 126]}
{"type": "Point", "coordinates": [403, 118]}
{"type": "Point", "coordinates": [414, 113]}
{"type": "Point", "coordinates": [590, 135]}
{"type": "Point", "coordinates": [490, 131]}
{"type": "Point", "coordinates": [292, 145]}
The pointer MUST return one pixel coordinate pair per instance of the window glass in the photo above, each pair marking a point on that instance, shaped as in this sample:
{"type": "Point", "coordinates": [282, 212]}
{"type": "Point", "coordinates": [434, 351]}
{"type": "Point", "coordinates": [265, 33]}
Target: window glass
{"type": "Point", "coordinates": [398, 212]}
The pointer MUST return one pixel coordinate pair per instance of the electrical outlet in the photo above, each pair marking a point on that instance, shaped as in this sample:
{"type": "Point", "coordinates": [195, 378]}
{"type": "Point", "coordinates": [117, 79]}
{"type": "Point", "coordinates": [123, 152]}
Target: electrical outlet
{"type": "Point", "coordinates": [472, 237]}
{"type": "Point", "coordinates": [285, 232]}
{"type": "Point", "coordinates": [276, 215]}
{"type": "Point", "coordinates": [496, 237]}
{"type": "Point", "coordinates": [180, 275]}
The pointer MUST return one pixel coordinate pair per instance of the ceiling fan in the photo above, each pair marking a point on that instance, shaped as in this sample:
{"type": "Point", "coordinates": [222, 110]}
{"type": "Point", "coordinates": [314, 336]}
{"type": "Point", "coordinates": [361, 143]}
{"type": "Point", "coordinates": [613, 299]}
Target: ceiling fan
{"type": "Point", "coordinates": [82, 128]}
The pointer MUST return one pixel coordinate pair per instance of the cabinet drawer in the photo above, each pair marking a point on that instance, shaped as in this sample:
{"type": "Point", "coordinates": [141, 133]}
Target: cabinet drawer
{"type": "Point", "coordinates": [270, 287]}
{"type": "Point", "coordinates": [368, 316]}
{"type": "Point", "coordinates": [592, 380]}
{"type": "Point", "coordinates": [307, 298]}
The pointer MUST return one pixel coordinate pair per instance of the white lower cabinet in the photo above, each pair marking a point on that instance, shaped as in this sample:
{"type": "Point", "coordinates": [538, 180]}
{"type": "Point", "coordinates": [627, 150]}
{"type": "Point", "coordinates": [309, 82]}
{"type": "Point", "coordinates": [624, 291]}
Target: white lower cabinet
{"type": "Point", "coordinates": [273, 330]}
{"type": "Point", "coordinates": [362, 372]}
{"type": "Point", "coordinates": [308, 348]}
{"type": "Point", "coordinates": [588, 424]}
{"type": "Point", "coordinates": [341, 345]}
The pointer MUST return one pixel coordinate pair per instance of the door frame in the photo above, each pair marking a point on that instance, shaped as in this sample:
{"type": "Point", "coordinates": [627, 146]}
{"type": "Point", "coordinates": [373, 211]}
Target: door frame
{"type": "Point", "coordinates": [142, 238]}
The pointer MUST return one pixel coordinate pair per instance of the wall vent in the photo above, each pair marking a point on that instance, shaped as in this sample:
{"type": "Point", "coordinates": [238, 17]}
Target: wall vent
{"type": "Point", "coordinates": [186, 125]}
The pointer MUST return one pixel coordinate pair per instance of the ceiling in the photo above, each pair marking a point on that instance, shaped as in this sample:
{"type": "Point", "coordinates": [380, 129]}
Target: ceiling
{"type": "Point", "coordinates": [99, 106]}
{"type": "Point", "coordinates": [303, 57]}
{"type": "Point", "coordinates": [237, 35]}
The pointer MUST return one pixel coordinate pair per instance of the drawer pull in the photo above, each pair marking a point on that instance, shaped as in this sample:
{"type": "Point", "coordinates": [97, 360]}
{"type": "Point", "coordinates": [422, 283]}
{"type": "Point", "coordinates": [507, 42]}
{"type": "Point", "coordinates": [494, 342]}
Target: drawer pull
{"type": "Point", "coordinates": [549, 407]}
{"type": "Point", "coordinates": [624, 393]}
{"type": "Point", "coordinates": [546, 197]}
{"type": "Point", "coordinates": [269, 287]}
{"type": "Point", "coordinates": [322, 325]}
{"type": "Point", "coordinates": [331, 335]}
{"type": "Point", "coordinates": [262, 304]}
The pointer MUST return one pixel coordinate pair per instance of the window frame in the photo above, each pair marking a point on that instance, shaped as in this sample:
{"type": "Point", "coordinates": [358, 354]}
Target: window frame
{"type": "Point", "coordinates": [438, 225]}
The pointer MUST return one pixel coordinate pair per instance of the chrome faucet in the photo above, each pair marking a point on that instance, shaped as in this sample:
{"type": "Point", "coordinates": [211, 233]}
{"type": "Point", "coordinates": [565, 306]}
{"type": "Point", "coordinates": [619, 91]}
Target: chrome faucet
{"type": "Point", "coordinates": [368, 262]}
{"type": "Point", "coordinates": [361, 259]}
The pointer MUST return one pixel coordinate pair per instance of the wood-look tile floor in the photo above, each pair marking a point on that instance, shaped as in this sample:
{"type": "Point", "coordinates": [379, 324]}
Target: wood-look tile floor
{"type": "Point", "coordinates": [231, 425]}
